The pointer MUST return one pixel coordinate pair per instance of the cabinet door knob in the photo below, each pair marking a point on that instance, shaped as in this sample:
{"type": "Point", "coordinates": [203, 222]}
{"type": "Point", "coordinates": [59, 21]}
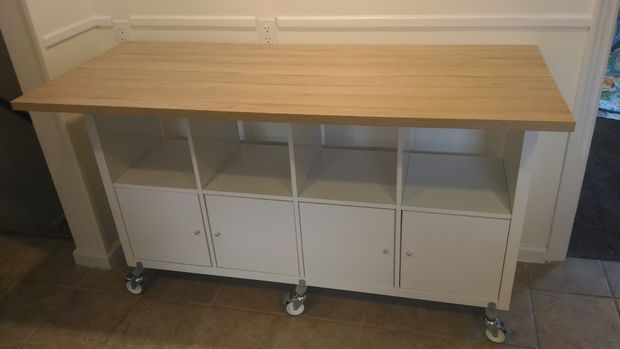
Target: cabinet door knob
{"type": "Point", "coordinates": [386, 251]}
{"type": "Point", "coordinates": [409, 253]}
{"type": "Point", "coordinates": [197, 232]}
{"type": "Point", "coordinates": [217, 234]}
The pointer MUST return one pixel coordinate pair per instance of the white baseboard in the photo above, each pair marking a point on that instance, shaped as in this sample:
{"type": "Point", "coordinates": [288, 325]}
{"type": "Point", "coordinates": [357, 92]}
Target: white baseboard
{"type": "Point", "coordinates": [532, 254]}
{"type": "Point", "coordinates": [106, 261]}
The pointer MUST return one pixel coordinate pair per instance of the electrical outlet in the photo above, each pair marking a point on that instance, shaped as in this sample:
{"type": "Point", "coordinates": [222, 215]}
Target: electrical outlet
{"type": "Point", "coordinates": [267, 31]}
{"type": "Point", "coordinates": [121, 30]}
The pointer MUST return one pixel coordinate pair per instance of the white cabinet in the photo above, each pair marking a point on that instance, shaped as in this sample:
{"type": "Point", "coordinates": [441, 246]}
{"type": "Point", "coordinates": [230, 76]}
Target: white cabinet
{"type": "Point", "coordinates": [253, 234]}
{"type": "Point", "coordinates": [348, 244]}
{"type": "Point", "coordinates": [453, 255]}
{"type": "Point", "coordinates": [164, 226]}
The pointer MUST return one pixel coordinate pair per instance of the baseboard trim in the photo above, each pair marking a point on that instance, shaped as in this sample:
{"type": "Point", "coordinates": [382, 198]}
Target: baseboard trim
{"type": "Point", "coordinates": [532, 254]}
{"type": "Point", "coordinates": [89, 259]}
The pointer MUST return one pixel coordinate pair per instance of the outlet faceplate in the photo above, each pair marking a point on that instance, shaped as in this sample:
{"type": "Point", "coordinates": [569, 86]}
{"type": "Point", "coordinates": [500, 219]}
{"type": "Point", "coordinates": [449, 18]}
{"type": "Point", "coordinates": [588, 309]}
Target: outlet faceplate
{"type": "Point", "coordinates": [121, 30]}
{"type": "Point", "coordinates": [267, 31]}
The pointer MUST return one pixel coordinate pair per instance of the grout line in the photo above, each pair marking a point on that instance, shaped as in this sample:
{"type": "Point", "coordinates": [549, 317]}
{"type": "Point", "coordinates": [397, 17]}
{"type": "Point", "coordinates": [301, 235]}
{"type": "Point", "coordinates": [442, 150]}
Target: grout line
{"type": "Point", "coordinates": [613, 299]}
{"type": "Point", "coordinates": [531, 301]}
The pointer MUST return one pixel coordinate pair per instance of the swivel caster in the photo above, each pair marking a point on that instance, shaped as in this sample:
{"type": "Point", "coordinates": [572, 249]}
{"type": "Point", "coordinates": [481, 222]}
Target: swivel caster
{"type": "Point", "coordinates": [134, 280]}
{"type": "Point", "coordinates": [495, 331]}
{"type": "Point", "coordinates": [294, 302]}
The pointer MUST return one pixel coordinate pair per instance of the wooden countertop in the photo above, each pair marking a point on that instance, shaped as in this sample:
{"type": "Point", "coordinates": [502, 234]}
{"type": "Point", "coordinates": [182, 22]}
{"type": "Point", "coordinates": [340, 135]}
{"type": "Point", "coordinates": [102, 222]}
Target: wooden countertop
{"type": "Point", "coordinates": [482, 87]}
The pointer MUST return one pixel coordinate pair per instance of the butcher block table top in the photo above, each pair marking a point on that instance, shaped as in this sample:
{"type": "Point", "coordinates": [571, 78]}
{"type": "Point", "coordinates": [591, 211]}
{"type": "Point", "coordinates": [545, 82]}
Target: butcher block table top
{"type": "Point", "coordinates": [480, 87]}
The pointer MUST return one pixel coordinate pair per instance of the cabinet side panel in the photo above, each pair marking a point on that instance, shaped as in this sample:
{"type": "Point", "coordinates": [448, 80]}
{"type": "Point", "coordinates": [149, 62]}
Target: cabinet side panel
{"type": "Point", "coordinates": [306, 142]}
{"type": "Point", "coordinates": [214, 142]}
{"type": "Point", "coordinates": [125, 140]}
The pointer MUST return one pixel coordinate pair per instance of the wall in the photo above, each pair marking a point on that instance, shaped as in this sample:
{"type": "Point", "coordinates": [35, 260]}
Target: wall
{"type": "Point", "coordinates": [559, 27]}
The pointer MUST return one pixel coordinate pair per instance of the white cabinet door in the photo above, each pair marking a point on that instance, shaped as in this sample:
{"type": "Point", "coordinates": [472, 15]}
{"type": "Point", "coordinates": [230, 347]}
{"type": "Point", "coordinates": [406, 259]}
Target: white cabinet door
{"type": "Point", "coordinates": [453, 255]}
{"type": "Point", "coordinates": [348, 244]}
{"type": "Point", "coordinates": [164, 226]}
{"type": "Point", "coordinates": [253, 234]}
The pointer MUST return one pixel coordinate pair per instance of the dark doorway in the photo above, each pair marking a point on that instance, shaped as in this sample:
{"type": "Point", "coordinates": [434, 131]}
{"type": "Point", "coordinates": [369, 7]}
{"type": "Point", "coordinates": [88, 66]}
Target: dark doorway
{"type": "Point", "coordinates": [28, 200]}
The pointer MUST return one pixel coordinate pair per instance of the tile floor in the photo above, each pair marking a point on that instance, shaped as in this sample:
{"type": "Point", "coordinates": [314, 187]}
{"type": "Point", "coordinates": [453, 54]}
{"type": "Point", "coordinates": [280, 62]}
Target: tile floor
{"type": "Point", "coordinates": [48, 302]}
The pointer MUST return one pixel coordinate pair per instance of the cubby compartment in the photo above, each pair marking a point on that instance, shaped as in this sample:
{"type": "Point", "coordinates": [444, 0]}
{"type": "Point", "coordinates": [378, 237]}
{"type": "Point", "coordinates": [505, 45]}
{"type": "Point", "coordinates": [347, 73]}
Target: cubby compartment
{"type": "Point", "coordinates": [146, 151]}
{"type": "Point", "coordinates": [465, 179]}
{"type": "Point", "coordinates": [229, 162]}
{"type": "Point", "coordinates": [351, 165]}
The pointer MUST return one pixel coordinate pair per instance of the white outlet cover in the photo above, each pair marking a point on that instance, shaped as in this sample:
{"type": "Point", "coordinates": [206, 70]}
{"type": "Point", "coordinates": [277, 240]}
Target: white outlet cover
{"type": "Point", "coordinates": [267, 30]}
{"type": "Point", "coordinates": [122, 30]}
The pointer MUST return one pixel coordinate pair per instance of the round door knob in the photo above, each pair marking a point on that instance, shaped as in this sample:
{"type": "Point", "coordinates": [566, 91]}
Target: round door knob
{"type": "Point", "coordinates": [217, 234]}
{"type": "Point", "coordinates": [409, 253]}
{"type": "Point", "coordinates": [197, 232]}
{"type": "Point", "coordinates": [386, 251]}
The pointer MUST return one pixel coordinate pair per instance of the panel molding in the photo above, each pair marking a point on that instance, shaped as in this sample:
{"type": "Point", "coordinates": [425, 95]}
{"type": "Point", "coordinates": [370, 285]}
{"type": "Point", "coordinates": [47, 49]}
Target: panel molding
{"type": "Point", "coordinates": [234, 22]}
{"type": "Point", "coordinates": [579, 21]}
{"type": "Point", "coordinates": [74, 29]}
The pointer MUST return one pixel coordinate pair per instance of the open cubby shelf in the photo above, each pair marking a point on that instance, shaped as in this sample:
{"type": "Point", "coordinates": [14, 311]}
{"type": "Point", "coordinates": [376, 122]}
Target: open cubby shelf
{"type": "Point", "coordinates": [457, 184]}
{"type": "Point", "coordinates": [352, 176]}
{"type": "Point", "coordinates": [260, 169]}
{"type": "Point", "coordinates": [169, 165]}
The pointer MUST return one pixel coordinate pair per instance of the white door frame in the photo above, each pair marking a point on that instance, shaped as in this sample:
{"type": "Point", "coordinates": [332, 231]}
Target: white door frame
{"type": "Point", "coordinates": [595, 58]}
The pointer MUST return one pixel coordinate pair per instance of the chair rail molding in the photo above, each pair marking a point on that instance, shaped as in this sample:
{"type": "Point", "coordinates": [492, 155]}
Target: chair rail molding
{"type": "Point", "coordinates": [586, 104]}
{"type": "Point", "coordinates": [67, 32]}
{"type": "Point", "coordinates": [582, 21]}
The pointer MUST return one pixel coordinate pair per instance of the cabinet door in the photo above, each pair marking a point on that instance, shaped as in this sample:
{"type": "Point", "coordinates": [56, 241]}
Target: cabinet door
{"type": "Point", "coordinates": [453, 255]}
{"type": "Point", "coordinates": [349, 244]}
{"type": "Point", "coordinates": [164, 226]}
{"type": "Point", "coordinates": [253, 234]}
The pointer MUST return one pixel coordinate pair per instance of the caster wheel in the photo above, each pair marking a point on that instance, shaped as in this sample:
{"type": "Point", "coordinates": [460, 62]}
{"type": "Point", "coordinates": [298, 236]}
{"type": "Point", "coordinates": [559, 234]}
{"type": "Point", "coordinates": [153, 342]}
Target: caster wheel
{"type": "Point", "coordinates": [290, 309]}
{"type": "Point", "coordinates": [134, 290]}
{"type": "Point", "coordinates": [500, 338]}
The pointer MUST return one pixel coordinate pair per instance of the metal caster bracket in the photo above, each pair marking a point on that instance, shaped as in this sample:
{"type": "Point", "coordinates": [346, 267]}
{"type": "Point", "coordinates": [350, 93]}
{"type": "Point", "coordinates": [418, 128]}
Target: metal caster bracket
{"type": "Point", "coordinates": [495, 330]}
{"type": "Point", "coordinates": [134, 280]}
{"type": "Point", "coordinates": [294, 301]}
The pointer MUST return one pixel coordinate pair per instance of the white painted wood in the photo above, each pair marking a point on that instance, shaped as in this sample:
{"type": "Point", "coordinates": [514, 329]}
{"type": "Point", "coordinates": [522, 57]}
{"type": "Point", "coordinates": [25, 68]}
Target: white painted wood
{"type": "Point", "coordinates": [435, 21]}
{"type": "Point", "coordinates": [527, 168]}
{"type": "Point", "coordinates": [255, 169]}
{"type": "Point", "coordinates": [100, 158]}
{"type": "Point", "coordinates": [352, 175]}
{"type": "Point", "coordinates": [453, 254]}
{"type": "Point", "coordinates": [349, 244]}
{"type": "Point", "coordinates": [401, 167]}
{"type": "Point", "coordinates": [214, 142]}
{"type": "Point", "coordinates": [464, 185]}
{"type": "Point", "coordinates": [238, 22]}
{"type": "Point", "coordinates": [306, 147]}
{"type": "Point", "coordinates": [164, 226]}
{"type": "Point", "coordinates": [316, 282]}
{"type": "Point", "coordinates": [587, 99]}
{"type": "Point", "coordinates": [253, 234]}
{"type": "Point", "coordinates": [57, 36]}
{"type": "Point", "coordinates": [124, 140]}
{"type": "Point", "coordinates": [168, 165]}
{"type": "Point", "coordinates": [512, 159]}
{"type": "Point", "coordinates": [293, 161]}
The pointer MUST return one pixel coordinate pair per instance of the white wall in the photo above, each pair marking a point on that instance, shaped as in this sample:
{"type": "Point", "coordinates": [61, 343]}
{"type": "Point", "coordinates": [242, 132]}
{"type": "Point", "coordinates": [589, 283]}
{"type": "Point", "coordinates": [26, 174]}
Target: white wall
{"type": "Point", "coordinates": [559, 27]}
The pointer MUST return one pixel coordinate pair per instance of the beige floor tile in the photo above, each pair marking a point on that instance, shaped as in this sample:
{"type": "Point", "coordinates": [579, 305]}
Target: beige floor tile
{"type": "Point", "coordinates": [583, 276]}
{"type": "Point", "coordinates": [182, 287]}
{"type": "Point", "coordinates": [302, 333]}
{"type": "Point", "coordinates": [521, 276]}
{"type": "Point", "coordinates": [612, 269]}
{"type": "Point", "coordinates": [110, 280]}
{"type": "Point", "coordinates": [19, 256]}
{"type": "Point", "coordinates": [520, 320]}
{"type": "Point", "coordinates": [59, 268]}
{"type": "Point", "coordinates": [24, 308]}
{"type": "Point", "coordinates": [157, 324]}
{"type": "Point", "coordinates": [380, 338]}
{"type": "Point", "coordinates": [335, 305]}
{"type": "Point", "coordinates": [5, 284]}
{"type": "Point", "coordinates": [225, 328]}
{"type": "Point", "coordinates": [424, 317]}
{"type": "Point", "coordinates": [252, 295]}
{"type": "Point", "coordinates": [573, 321]}
{"type": "Point", "coordinates": [84, 320]}
{"type": "Point", "coordinates": [10, 344]}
